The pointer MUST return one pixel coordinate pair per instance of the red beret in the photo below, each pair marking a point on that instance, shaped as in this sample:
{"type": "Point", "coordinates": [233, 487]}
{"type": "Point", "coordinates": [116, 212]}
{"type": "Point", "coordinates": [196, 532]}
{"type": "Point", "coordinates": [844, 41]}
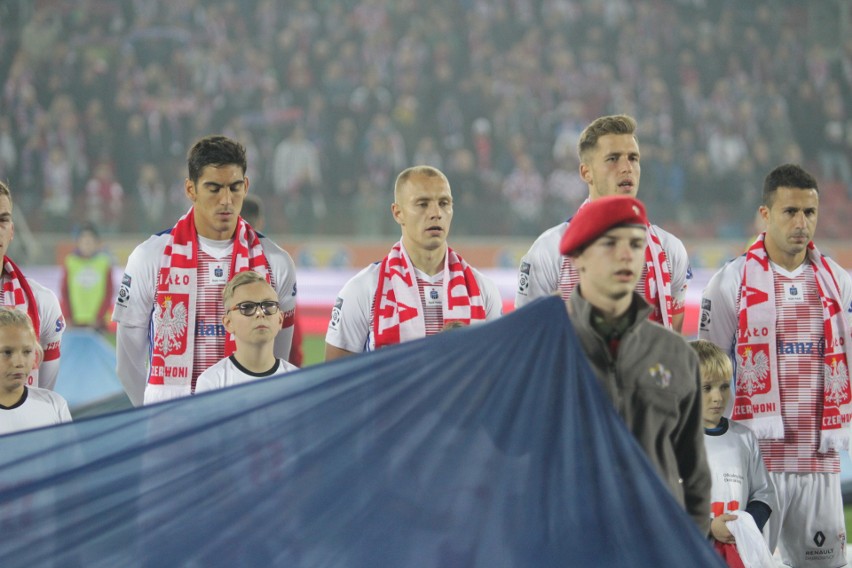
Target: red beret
{"type": "Point", "coordinates": [599, 216]}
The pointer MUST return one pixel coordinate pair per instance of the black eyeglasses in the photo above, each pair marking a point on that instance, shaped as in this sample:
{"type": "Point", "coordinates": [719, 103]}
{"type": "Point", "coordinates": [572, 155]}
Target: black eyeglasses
{"type": "Point", "coordinates": [268, 307]}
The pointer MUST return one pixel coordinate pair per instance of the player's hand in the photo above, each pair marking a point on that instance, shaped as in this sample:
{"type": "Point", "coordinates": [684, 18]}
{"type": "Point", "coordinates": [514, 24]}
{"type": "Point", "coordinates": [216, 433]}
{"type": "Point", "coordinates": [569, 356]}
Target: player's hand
{"type": "Point", "coordinates": [719, 529]}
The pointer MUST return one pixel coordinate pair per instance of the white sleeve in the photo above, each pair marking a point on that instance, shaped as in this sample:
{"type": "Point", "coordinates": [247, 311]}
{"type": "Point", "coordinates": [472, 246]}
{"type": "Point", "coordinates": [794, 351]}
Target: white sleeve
{"type": "Point", "coordinates": [718, 320]}
{"type": "Point", "coordinates": [62, 410]}
{"type": "Point", "coordinates": [761, 487]}
{"type": "Point", "coordinates": [134, 302]}
{"type": "Point", "coordinates": [538, 274]}
{"type": "Point", "coordinates": [206, 381]}
{"type": "Point", "coordinates": [349, 326]}
{"type": "Point", "coordinates": [48, 371]}
{"type": "Point", "coordinates": [51, 327]}
{"type": "Point", "coordinates": [844, 282]}
{"type": "Point", "coordinates": [491, 296]}
{"type": "Point", "coordinates": [284, 275]}
{"type": "Point", "coordinates": [131, 353]}
{"type": "Point", "coordinates": [680, 273]}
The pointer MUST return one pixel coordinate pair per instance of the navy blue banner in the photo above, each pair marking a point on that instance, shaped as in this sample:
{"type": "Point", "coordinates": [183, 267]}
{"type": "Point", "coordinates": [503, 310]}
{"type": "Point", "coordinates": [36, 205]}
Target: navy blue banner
{"type": "Point", "coordinates": [490, 446]}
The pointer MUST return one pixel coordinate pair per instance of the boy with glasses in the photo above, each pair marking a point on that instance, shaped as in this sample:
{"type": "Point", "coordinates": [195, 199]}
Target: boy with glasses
{"type": "Point", "coordinates": [252, 318]}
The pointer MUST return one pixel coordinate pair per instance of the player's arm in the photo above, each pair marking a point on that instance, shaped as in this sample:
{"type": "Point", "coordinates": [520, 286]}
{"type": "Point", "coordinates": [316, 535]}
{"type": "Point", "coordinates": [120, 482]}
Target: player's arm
{"type": "Point", "coordinates": [349, 326]}
{"type": "Point", "coordinates": [681, 274]}
{"type": "Point", "coordinates": [133, 312]}
{"type": "Point", "coordinates": [762, 499]}
{"type": "Point", "coordinates": [677, 322]}
{"type": "Point", "coordinates": [284, 274]}
{"type": "Point", "coordinates": [718, 317]}
{"type": "Point", "coordinates": [538, 274]}
{"type": "Point", "coordinates": [131, 355]}
{"type": "Point", "coordinates": [491, 296]}
{"type": "Point", "coordinates": [52, 326]}
{"type": "Point", "coordinates": [332, 352]}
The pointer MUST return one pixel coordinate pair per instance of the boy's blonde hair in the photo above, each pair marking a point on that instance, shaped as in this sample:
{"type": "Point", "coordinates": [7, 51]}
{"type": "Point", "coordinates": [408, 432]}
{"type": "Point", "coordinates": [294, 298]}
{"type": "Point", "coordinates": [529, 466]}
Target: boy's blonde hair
{"type": "Point", "coordinates": [714, 362]}
{"type": "Point", "coordinates": [11, 317]}
{"type": "Point", "coordinates": [240, 279]}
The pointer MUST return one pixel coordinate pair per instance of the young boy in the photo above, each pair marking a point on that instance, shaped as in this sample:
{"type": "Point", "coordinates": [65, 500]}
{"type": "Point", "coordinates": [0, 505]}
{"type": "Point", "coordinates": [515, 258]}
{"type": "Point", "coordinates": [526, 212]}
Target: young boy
{"type": "Point", "coordinates": [740, 479]}
{"type": "Point", "coordinates": [253, 317]}
{"type": "Point", "coordinates": [23, 407]}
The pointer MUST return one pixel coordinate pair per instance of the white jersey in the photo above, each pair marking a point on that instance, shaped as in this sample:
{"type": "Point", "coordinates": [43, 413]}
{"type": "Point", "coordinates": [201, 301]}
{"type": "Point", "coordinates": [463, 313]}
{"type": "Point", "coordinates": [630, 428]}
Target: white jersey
{"type": "Point", "coordinates": [541, 268]}
{"type": "Point", "coordinates": [228, 372]}
{"type": "Point", "coordinates": [351, 324]}
{"type": "Point", "coordinates": [51, 326]}
{"type": "Point", "coordinates": [136, 297]}
{"type": "Point", "coordinates": [36, 408]}
{"type": "Point", "coordinates": [737, 468]}
{"type": "Point", "coordinates": [799, 337]}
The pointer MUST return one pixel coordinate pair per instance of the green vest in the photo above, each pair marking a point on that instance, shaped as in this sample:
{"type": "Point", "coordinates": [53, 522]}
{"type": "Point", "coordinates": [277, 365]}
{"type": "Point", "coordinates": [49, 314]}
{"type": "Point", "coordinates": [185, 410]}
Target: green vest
{"type": "Point", "coordinates": [87, 285]}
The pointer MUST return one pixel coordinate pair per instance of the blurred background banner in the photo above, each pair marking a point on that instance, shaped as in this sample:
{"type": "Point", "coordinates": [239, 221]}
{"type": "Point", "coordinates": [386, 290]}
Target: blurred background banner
{"type": "Point", "coordinates": [468, 448]}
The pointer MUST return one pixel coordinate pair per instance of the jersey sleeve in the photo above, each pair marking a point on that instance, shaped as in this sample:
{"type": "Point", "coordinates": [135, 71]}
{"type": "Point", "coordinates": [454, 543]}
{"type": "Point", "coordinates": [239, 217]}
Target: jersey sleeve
{"type": "Point", "coordinates": [134, 302]}
{"type": "Point", "coordinates": [52, 324]}
{"type": "Point", "coordinates": [718, 320]}
{"type": "Point", "coordinates": [538, 274]}
{"type": "Point", "coordinates": [284, 274]}
{"type": "Point", "coordinates": [349, 327]}
{"type": "Point", "coordinates": [761, 487]}
{"type": "Point", "coordinates": [844, 282]}
{"type": "Point", "coordinates": [207, 381]}
{"type": "Point", "coordinates": [491, 295]}
{"type": "Point", "coordinates": [681, 274]}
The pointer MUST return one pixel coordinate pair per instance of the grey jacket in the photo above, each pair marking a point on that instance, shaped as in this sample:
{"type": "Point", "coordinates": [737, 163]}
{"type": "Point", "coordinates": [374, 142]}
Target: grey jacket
{"type": "Point", "coordinates": [655, 385]}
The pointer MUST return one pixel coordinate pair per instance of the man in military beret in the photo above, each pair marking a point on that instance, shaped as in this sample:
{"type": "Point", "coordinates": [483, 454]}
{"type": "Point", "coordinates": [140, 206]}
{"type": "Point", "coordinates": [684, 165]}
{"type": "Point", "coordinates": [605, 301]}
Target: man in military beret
{"type": "Point", "coordinates": [649, 372]}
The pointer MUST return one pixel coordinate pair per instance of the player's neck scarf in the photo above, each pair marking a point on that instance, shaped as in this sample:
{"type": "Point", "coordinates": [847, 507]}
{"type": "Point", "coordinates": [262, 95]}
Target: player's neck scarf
{"type": "Point", "coordinates": [658, 279]}
{"type": "Point", "coordinates": [757, 402]}
{"type": "Point", "coordinates": [177, 291]}
{"type": "Point", "coordinates": [18, 294]}
{"type": "Point", "coordinates": [397, 308]}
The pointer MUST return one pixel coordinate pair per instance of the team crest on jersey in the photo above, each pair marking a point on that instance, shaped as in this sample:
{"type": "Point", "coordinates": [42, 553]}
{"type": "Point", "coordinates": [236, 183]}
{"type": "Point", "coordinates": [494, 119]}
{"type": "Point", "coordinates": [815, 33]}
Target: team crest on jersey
{"type": "Point", "coordinates": [662, 376]}
{"type": "Point", "coordinates": [836, 380]}
{"type": "Point", "coordinates": [524, 277]}
{"type": "Point", "coordinates": [753, 370]}
{"type": "Point", "coordinates": [171, 319]}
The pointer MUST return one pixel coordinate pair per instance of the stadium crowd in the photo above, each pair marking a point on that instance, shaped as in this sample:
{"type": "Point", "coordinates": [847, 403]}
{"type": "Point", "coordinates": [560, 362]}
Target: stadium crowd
{"type": "Point", "coordinates": [100, 99]}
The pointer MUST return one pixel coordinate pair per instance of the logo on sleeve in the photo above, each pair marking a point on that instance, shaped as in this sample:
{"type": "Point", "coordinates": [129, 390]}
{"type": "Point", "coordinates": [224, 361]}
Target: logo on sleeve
{"type": "Point", "coordinates": [524, 278]}
{"type": "Point", "coordinates": [705, 314]}
{"type": "Point", "coordinates": [124, 292]}
{"type": "Point", "coordinates": [59, 325]}
{"type": "Point", "coordinates": [335, 313]}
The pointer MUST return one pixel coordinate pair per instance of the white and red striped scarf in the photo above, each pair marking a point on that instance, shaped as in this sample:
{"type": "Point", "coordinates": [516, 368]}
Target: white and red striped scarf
{"type": "Point", "coordinates": [757, 402]}
{"type": "Point", "coordinates": [658, 279]}
{"type": "Point", "coordinates": [397, 308]}
{"type": "Point", "coordinates": [174, 312]}
{"type": "Point", "coordinates": [18, 294]}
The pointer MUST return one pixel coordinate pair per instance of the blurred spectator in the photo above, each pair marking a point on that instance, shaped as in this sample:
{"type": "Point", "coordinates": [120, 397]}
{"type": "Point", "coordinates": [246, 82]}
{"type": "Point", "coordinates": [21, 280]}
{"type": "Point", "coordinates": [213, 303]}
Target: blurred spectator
{"type": "Point", "coordinates": [297, 181]}
{"type": "Point", "coordinates": [87, 282]}
{"type": "Point", "coordinates": [104, 199]}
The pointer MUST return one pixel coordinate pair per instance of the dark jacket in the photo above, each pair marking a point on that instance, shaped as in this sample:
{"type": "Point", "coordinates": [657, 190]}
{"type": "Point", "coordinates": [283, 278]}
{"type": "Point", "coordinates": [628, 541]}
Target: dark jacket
{"type": "Point", "coordinates": [655, 385]}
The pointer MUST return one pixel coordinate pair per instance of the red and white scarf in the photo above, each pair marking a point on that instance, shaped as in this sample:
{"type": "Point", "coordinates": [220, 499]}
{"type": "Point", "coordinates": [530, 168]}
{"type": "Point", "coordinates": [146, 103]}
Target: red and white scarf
{"type": "Point", "coordinates": [174, 312]}
{"type": "Point", "coordinates": [397, 307]}
{"type": "Point", "coordinates": [757, 402]}
{"type": "Point", "coordinates": [658, 279]}
{"type": "Point", "coordinates": [18, 294]}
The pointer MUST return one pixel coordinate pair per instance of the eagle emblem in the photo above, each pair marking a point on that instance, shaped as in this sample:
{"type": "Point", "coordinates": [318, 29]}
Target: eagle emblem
{"type": "Point", "coordinates": [170, 323]}
{"type": "Point", "coordinates": [753, 371]}
{"type": "Point", "coordinates": [837, 382]}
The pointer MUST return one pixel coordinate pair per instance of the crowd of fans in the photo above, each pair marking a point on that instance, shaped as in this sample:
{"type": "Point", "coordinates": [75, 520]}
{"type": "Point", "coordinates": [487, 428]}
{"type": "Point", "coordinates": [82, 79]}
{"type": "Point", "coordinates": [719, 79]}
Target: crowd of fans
{"type": "Point", "coordinates": [332, 98]}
